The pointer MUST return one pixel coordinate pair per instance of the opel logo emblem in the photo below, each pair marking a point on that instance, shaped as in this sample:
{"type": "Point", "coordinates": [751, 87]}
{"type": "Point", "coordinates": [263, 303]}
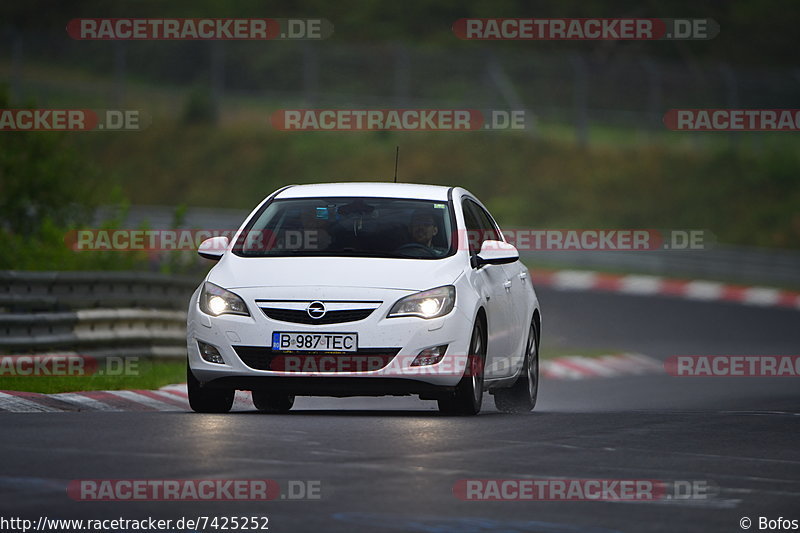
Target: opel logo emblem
{"type": "Point", "coordinates": [316, 310]}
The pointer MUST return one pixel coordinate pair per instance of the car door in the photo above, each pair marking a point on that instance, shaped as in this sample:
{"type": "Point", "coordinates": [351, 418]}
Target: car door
{"type": "Point", "coordinates": [492, 284]}
{"type": "Point", "coordinates": [518, 287]}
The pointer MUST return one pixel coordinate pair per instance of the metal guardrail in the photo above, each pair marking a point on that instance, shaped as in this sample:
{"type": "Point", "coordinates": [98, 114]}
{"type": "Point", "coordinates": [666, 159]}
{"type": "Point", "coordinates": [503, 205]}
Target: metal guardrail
{"type": "Point", "coordinates": [740, 264]}
{"type": "Point", "coordinates": [94, 313]}
{"type": "Point", "coordinates": [126, 314]}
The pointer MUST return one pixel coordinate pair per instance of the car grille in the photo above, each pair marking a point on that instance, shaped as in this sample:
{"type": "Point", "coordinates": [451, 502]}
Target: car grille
{"type": "Point", "coordinates": [264, 358]}
{"type": "Point", "coordinates": [301, 316]}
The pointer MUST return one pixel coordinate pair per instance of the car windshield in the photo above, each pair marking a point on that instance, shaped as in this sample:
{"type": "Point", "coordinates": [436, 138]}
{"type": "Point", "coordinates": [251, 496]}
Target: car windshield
{"type": "Point", "coordinates": [349, 227]}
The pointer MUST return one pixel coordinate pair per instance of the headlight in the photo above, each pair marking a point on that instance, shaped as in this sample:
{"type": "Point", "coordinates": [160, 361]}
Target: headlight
{"type": "Point", "coordinates": [215, 301]}
{"type": "Point", "coordinates": [426, 304]}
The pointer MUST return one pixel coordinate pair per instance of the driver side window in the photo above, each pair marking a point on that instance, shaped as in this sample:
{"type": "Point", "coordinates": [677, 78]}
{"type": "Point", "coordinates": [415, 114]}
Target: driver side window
{"type": "Point", "coordinates": [479, 226]}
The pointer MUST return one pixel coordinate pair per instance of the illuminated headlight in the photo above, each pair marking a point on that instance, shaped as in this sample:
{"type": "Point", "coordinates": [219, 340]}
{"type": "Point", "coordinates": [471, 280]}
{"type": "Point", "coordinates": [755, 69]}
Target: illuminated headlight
{"type": "Point", "coordinates": [426, 304]}
{"type": "Point", "coordinates": [215, 301]}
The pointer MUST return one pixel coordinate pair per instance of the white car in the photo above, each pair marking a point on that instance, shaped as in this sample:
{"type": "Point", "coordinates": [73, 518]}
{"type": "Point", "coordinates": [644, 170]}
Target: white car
{"type": "Point", "coordinates": [365, 289]}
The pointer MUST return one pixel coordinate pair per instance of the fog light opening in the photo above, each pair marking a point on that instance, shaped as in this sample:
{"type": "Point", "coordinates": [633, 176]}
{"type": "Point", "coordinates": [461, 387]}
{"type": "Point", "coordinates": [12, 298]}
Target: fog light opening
{"type": "Point", "coordinates": [210, 353]}
{"type": "Point", "coordinates": [430, 356]}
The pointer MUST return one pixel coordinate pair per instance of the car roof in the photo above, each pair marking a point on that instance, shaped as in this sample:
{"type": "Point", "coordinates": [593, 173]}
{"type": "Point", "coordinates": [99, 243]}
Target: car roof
{"type": "Point", "coordinates": [367, 189]}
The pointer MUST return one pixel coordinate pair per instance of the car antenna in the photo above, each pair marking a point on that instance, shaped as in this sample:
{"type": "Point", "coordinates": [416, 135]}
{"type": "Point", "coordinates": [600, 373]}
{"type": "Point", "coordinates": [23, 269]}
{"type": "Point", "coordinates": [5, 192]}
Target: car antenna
{"type": "Point", "coordinates": [396, 157]}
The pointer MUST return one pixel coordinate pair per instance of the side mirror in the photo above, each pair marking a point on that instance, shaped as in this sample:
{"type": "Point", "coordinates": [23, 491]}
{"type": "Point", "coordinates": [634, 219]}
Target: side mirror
{"type": "Point", "coordinates": [213, 248]}
{"type": "Point", "coordinates": [496, 253]}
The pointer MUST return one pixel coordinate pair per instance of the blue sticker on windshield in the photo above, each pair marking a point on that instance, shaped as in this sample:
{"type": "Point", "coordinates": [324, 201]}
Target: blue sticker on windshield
{"type": "Point", "coordinates": [322, 212]}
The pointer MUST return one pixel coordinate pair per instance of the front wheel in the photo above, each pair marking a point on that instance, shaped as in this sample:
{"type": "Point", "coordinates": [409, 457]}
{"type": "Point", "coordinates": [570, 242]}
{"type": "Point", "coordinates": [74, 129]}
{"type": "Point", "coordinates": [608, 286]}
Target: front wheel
{"type": "Point", "coordinates": [521, 396]}
{"type": "Point", "coordinates": [468, 395]}
{"type": "Point", "coordinates": [205, 400]}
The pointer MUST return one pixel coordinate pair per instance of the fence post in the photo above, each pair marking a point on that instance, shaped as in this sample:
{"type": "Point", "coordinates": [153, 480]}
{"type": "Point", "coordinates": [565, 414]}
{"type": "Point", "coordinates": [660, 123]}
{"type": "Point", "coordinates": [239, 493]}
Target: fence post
{"type": "Point", "coordinates": [580, 99]}
{"type": "Point", "coordinates": [502, 82]}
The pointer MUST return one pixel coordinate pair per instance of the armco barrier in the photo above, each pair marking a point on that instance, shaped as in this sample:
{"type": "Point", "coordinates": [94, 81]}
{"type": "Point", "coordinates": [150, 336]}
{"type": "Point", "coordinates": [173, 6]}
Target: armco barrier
{"type": "Point", "coordinates": [94, 313]}
{"type": "Point", "coordinates": [741, 264]}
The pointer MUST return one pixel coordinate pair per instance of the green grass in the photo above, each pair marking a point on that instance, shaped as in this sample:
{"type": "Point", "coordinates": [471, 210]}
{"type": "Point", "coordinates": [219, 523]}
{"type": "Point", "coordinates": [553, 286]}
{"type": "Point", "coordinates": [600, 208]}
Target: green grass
{"type": "Point", "coordinates": [552, 352]}
{"type": "Point", "coordinates": [150, 375]}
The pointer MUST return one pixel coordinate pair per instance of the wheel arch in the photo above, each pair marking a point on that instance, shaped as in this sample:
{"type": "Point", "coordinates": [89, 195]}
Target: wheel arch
{"type": "Point", "coordinates": [480, 315]}
{"type": "Point", "coordinates": [537, 325]}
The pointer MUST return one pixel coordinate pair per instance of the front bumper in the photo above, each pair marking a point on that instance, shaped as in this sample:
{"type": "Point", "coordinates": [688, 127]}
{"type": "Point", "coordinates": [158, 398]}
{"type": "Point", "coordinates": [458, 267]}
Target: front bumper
{"type": "Point", "coordinates": [404, 337]}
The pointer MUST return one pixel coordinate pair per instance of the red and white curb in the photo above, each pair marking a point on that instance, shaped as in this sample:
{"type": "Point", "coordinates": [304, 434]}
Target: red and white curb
{"type": "Point", "coordinates": [607, 366]}
{"type": "Point", "coordinates": [642, 285]}
{"type": "Point", "coordinates": [169, 398]}
{"type": "Point", "coordinates": [174, 397]}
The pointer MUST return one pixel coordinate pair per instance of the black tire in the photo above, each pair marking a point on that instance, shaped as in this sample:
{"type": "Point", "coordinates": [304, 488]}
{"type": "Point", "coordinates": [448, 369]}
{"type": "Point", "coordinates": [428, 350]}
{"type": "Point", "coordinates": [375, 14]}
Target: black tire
{"type": "Point", "coordinates": [468, 395]}
{"type": "Point", "coordinates": [521, 396]}
{"type": "Point", "coordinates": [268, 402]}
{"type": "Point", "coordinates": [205, 400]}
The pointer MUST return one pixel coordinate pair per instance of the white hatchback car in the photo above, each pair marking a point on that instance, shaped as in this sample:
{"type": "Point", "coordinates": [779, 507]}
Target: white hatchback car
{"type": "Point", "coordinates": [365, 289]}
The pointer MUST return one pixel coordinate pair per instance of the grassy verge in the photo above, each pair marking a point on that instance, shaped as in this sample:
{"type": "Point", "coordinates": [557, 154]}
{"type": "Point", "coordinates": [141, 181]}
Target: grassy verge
{"type": "Point", "coordinates": [548, 352]}
{"type": "Point", "coordinates": [148, 375]}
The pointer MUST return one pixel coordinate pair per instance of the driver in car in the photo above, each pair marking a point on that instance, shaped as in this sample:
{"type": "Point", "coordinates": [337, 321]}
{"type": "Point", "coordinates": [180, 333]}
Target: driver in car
{"type": "Point", "coordinates": [423, 228]}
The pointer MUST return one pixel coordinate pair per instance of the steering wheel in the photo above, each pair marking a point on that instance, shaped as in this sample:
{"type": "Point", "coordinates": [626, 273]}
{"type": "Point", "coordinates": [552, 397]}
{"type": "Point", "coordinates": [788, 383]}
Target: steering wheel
{"type": "Point", "coordinates": [415, 249]}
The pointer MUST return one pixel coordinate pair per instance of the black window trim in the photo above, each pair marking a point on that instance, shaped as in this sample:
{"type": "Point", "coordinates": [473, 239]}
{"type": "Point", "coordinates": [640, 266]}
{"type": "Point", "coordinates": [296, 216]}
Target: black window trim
{"type": "Point", "coordinates": [475, 201]}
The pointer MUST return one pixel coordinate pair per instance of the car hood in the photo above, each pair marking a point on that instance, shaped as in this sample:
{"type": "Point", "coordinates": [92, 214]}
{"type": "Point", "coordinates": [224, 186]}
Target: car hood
{"type": "Point", "coordinates": [404, 274]}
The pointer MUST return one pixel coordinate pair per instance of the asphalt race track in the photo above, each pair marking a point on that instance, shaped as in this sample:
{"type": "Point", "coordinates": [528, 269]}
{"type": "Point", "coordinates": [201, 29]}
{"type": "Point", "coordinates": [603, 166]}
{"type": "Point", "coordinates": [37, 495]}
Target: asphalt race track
{"type": "Point", "coordinates": [391, 464]}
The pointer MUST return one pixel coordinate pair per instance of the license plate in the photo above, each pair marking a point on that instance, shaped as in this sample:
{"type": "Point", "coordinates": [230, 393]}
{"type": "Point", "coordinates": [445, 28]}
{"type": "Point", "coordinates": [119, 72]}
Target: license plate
{"type": "Point", "coordinates": [314, 342]}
